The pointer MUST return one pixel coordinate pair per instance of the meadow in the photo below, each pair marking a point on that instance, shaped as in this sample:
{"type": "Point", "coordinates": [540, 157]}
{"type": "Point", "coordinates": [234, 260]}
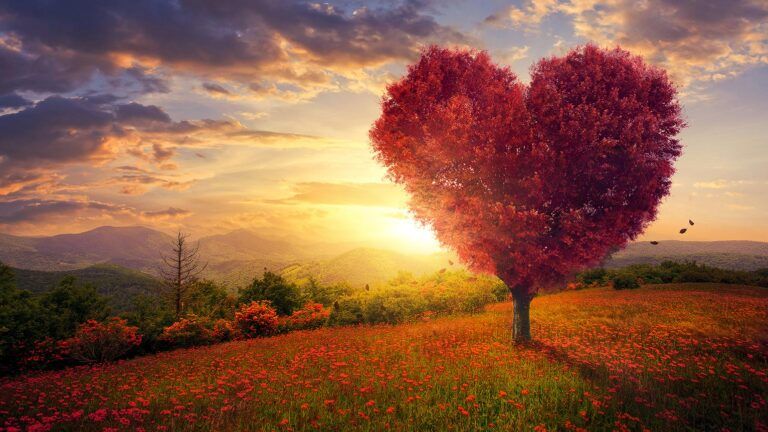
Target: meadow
{"type": "Point", "coordinates": [662, 357]}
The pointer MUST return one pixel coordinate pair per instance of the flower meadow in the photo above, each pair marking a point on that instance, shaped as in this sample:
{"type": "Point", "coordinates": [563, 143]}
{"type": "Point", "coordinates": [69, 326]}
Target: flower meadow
{"type": "Point", "coordinates": [668, 357]}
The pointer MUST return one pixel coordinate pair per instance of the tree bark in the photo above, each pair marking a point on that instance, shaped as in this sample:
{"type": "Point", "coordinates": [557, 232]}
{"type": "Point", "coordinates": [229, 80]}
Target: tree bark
{"type": "Point", "coordinates": [521, 320]}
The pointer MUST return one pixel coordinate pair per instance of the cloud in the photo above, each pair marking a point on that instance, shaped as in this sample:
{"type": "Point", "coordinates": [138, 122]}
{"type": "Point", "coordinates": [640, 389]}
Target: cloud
{"type": "Point", "coordinates": [37, 213]}
{"type": "Point", "coordinates": [57, 129]}
{"type": "Point", "coordinates": [56, 47]}
{"type": "Point", "coordinates": [34, 210]}
{"type": "Point", "coordinates": [137, 114]}
{"type": "Point", "coordinates": [216, 89]}
{"type": "Point", "coordinates": [60, 130]}
{"type": "Point", "coordinates": [169, 213]}
{"type": "Point", "coordinates": [696, 41]}
{"type": "Point", "coordinates": [18, 182]}
{"type": "Point", "coordinates": [358, 194]}
{"type": "Point", "coordinates": [136, 183]}
{"type": "Point", "coordinates": [721, 184]}
{"type": "Point", "coordinates": [12, 100]}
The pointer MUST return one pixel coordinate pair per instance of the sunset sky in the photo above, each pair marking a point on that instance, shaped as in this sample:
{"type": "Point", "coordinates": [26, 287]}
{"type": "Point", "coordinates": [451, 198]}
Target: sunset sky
{"type": "Point", "coordinates": [214, 115]}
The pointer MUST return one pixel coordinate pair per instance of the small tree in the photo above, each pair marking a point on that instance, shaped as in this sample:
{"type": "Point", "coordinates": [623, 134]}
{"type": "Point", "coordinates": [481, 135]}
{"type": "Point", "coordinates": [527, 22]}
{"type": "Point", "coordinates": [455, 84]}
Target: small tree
{"type": "Point", "coordinates": [70, 304]}
{"type": "Point", "coordinates": [20, 320]}
{"type": "Point", "coordinates": [181, 268]}
{"type": "Point", "coordinates": [284, 296]}
{"type": "Point", "coordinates": [209, 299]}
{"type": "Point", "coordinates": [531, 184]}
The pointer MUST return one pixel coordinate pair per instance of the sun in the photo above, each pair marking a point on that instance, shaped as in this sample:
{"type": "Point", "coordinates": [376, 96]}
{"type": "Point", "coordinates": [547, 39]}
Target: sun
{"type": "Point", "coordinates": [410, 235]}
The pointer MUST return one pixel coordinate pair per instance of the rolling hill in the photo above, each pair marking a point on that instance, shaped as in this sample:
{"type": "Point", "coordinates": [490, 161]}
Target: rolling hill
{"type": "Point", "coordinates": [134, 247]}
{"type": "Point", "coordinates": [732, 254]}
{"type": "Point", "coordinates": [366, 266]}
{"type": "Point", "coordinates": [120, 284]}
{"type": "Point", "coordinates": [236, 257]}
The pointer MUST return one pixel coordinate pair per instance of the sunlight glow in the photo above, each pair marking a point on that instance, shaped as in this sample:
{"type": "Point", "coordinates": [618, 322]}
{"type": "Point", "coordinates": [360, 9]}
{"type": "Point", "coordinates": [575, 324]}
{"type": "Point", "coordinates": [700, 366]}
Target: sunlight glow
{"type": "Point", "coordinates": [411, 236]}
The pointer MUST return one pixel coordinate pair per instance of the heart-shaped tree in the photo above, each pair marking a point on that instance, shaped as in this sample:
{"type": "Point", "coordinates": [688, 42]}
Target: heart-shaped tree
{"type": "Point", "coordinates": [531, 183]}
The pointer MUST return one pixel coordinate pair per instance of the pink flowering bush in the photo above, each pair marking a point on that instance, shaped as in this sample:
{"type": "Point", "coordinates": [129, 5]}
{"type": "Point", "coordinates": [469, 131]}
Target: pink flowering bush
{"type": "Point", "coordinates": [191, 330]}
{"type": "Point", "coordinates": [255, 319]}
{"type": "Point", "coordinates": [311, 316]}
{"type": "Point", "coordinates": [96, 342]}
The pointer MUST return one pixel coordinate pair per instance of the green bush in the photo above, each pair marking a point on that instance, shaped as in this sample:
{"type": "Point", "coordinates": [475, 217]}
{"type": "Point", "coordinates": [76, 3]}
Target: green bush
{"type": "Point", "coordinates": [593, 277]}
{"type": "Point", "coordinates": [624, 281]}
{"type": "Point", "coordinates": [406, 298]}
{"type": "Point", "coordinates": [284, 296]}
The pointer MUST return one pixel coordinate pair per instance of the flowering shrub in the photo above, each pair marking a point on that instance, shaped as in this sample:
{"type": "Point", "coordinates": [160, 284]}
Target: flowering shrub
{"type": "Point", "coordinates": [224, 330]}
{"type": "Point", "coordinates": [101, 341]}
{"type": "Point", "coordinates": [311, 316]}
{"type": "Point", "coordinates": [188, 331]}
{"type": "Point", "coordinates": [257, 318]}
{"type": "Point", "coordinates": [42, 354]}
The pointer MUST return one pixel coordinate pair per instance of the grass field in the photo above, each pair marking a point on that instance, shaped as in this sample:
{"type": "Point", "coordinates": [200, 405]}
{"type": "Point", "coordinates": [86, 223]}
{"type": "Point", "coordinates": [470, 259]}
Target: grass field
{"type": "Point", "coordinates": [671, 357]}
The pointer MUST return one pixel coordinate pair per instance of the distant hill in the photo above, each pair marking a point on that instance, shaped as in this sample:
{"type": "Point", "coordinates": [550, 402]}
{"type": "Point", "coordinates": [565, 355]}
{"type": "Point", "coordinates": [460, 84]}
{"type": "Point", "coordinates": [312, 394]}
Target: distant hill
{"type": "Point", "coordinates": [118, 283]}
{"type": "Point", "coordinates": [235, 258]}
{"type": "Point", "coordinates": [366, 266]}
{"type": "Point", "coordinates": [731, 254]}
{"type": "Point", "coordinates": [134, 247]}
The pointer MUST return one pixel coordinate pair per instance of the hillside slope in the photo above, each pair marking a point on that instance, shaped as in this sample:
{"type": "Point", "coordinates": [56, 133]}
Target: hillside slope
{"type": "Point", "coordinates": [603, 360]}
{"type": "Point", "coordinates": [120, 284]}
{"type": "Point", "coordinates": [366, 266]}
{"type": "Point", "coordinates": [732, 254]}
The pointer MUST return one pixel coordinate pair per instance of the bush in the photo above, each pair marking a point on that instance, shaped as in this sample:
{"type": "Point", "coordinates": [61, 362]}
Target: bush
{"type": "Point", "coordinates": [255, 319]}
{"type": "Point", "coordinates": [593, 277]}
{"type": "Point", "coordinates": [347, 311]}
{"type": "Point", "coordinates": [224, 330]}
{"type": "Point", "coordinates": [624, 281]}
{"type": "Point", "coordinates": [188, 331]}
{"type": "Point", "coordinates": [281, 294]}
{"type": "Point", "coordinates": [406, 298]}
{"type": "Point", "coordinates": [311, 316]}
{"type": "Point", "coordinates": [96, 342]}
{"type": "Point", "coordinates": [211, 300]}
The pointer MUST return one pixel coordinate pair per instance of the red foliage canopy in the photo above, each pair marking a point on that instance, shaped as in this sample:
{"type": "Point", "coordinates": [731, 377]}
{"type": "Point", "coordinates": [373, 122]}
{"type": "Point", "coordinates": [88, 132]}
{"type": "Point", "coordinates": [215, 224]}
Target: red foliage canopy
{"type": "Point", "coordinates": [531, 183]}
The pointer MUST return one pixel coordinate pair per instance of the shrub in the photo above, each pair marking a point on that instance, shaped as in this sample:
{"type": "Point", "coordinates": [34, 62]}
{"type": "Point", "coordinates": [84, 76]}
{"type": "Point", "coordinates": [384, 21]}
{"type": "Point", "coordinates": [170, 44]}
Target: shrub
{"type": "Point", "coordinates": [42, 354]}
{"type": "Point", "coordinates": [311, 316]}
{"type": "Point", "coordinates": [624, 281]}
{"type": "Point", "coordinates": [257, 318]}
{"type": "Point", "coordinates": [406, 298]}
{"type": "Point", "coordinates": [282, 295]}
{"type": "Point", "coordinates": [188, 331]}
{"type": "Point", "coordinates": [347, 311]}
{"type": "Point", "coordinates": [593, 277]}
{"type": "Point", "coordinates": [96, 342]}
{"type": "Point", "coordinates": [224, 330]}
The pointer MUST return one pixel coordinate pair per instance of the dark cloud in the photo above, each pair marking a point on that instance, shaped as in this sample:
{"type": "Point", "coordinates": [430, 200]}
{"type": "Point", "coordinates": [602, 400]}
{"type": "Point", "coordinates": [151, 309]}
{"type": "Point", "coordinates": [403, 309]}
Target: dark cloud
{"type": "Point", "coordinates": [56, 129]}
{"type": "Point", "coordinates": [12, 100]}
{"type": "Point", "coordinates": [162, 154]}
{"type": "Point", "coordinates": [134, 113]}
{"type": "Point", "coordinates": [169, 213]}
{"type": "Point", "coordinates": [60, 45]}
{"type": "Point", "coordinates": [215, 89]}
{"type": "Point", "coordinates": [61, 130]}
{"type": "Point", "coordinates": [33, 210]}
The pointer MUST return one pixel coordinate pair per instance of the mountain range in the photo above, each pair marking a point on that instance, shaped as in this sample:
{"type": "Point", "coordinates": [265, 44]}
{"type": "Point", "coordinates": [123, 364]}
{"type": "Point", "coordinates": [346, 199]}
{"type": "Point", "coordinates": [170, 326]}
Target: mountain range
{"type": "Point", "coordinates": [235, 258]}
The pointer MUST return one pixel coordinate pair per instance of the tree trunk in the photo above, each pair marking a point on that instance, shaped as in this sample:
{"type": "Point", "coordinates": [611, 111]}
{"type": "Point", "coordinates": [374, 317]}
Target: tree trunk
{"type": "Point", "coordinates": [521, 321]}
